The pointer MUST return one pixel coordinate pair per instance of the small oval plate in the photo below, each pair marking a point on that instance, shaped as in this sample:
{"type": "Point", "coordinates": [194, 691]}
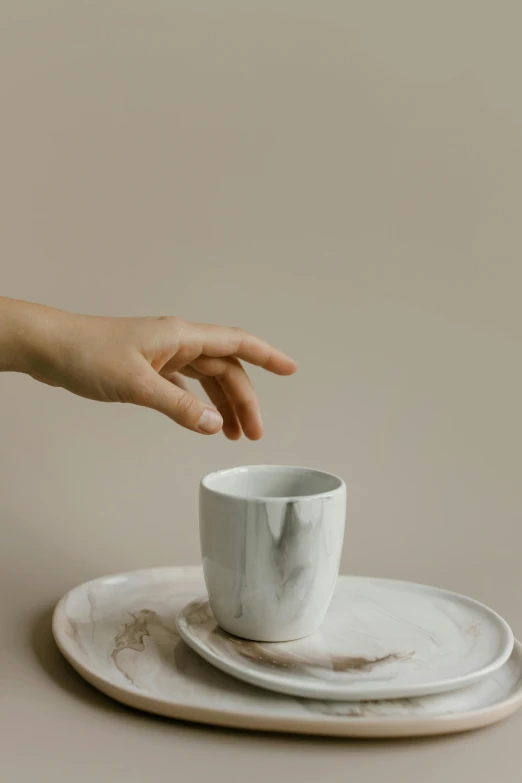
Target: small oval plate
{"type": "Point", "coordinates": [381, 639]}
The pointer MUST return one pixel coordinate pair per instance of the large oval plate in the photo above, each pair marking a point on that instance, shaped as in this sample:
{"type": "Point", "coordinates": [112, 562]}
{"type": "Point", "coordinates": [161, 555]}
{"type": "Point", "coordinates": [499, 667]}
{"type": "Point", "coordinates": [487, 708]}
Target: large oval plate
{"type": "Point", "coordinates": [120, 634]}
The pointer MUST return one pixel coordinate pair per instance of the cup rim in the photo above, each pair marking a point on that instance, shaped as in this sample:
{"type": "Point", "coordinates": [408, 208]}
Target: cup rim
{"type": "Point", "coordinates": [272, 498]}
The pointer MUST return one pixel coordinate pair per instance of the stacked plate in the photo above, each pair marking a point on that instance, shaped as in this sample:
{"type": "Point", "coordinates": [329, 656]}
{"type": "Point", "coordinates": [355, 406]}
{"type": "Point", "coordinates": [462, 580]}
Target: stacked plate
{"type": "Point", "coordinates": [391, 659]}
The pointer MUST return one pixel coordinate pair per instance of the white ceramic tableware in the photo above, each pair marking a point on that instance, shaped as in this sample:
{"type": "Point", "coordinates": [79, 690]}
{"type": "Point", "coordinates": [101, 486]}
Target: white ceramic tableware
{"type": "Point", "coordinates": [380, 639]}
{"type": "Point", "coordinates": [271, 541]}
{"type": "Point", "coordinates": [119, 633]}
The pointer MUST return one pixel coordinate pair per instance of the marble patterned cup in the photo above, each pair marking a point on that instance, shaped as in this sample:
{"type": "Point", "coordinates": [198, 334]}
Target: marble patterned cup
{"type": "Point", "coordinates": [271, 541]}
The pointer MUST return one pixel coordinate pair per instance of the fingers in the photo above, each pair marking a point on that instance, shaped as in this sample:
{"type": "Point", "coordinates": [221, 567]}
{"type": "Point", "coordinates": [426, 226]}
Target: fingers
{"type": "Point", "coordinates": [219, 341]}
{"type": "Point", "coordinates": [236, 388]}
{"type": "Point", "coordinates": [231, 426]}
{"type": "Point", "coordinates": [151, 390]}
{"type": "Point", "coordinates": [178, 380]}
{"type": "Point", "coordinates": [212, 354]}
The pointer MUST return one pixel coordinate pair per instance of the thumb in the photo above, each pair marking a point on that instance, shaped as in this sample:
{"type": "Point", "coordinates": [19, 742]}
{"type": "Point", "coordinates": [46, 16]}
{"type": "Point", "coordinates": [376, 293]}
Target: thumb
{"type": "Point", "coordinates": [178, 404]}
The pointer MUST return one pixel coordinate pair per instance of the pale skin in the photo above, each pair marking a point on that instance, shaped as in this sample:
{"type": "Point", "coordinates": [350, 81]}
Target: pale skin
{"type": "Point", "coordinates": [143, 361]}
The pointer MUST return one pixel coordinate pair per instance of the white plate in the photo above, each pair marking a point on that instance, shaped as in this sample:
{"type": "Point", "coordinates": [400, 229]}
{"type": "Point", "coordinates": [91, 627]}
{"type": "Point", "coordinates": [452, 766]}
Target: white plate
{"type": "Point", "coordinates": [119, 633]}
{"type": "Point", "coordinates": [381, 639]}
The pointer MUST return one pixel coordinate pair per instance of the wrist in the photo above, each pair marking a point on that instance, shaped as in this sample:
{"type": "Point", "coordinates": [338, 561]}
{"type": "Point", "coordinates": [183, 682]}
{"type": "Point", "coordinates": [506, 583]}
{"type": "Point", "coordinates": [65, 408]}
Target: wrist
{"type": "Point", "coordinates": [25, 335]}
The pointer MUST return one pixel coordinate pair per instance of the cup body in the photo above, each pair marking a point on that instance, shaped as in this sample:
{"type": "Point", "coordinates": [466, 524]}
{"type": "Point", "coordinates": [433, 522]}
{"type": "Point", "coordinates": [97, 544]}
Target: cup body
{"type": "Point", "coordinates": [271, 542]}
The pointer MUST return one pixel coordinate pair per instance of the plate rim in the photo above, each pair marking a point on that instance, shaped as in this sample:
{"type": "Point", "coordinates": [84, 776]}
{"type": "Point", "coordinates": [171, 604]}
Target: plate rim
{"type": "Point", "coordinates": [338, 726]}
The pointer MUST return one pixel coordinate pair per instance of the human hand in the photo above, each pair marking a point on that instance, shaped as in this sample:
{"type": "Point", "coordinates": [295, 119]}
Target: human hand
{"type": "Point", "coordinates": [144, 361]}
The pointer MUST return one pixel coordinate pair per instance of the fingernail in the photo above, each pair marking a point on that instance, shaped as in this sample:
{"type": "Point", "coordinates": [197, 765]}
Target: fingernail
{"type": "Point", "coordinates": [210, 421]}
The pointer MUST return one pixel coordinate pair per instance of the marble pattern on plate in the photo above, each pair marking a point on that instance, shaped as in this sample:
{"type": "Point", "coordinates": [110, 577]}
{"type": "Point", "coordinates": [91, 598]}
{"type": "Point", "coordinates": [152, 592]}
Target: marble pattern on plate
{"type": "Point", "coordinates": [120, 632]}
{"type": "Point", "coordinates": [380, 639]}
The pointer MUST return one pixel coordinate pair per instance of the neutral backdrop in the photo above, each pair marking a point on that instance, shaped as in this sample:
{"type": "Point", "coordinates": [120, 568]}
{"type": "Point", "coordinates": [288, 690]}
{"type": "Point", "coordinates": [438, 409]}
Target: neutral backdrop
{"type": "Point", "coordinates": [345, 180]}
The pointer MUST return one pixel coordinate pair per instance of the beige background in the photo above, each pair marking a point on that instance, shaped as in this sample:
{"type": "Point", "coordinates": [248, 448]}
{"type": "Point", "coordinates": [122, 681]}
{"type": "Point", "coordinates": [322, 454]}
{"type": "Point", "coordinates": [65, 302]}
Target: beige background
{"type": "Point", "coordinates": [344, 179]}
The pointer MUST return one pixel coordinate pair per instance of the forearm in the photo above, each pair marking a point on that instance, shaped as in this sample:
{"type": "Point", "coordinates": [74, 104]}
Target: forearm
{"type": "Point", "coordinates": [25, 331]}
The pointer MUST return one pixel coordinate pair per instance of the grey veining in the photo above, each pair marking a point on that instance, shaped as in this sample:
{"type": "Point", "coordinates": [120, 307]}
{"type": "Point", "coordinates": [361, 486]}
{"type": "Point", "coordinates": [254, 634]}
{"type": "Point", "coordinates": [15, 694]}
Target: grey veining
{"type": "Point", "coordinates": [271, 565]}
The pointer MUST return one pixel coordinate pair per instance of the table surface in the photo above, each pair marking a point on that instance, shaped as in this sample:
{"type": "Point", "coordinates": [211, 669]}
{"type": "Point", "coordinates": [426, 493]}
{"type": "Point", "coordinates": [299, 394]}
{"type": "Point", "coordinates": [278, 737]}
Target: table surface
{"type": "Point", "coordinates": [344, 179]}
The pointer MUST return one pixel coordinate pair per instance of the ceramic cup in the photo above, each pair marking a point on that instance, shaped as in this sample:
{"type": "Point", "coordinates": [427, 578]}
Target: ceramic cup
{"type": "Point", "coordinates": [271, 541]}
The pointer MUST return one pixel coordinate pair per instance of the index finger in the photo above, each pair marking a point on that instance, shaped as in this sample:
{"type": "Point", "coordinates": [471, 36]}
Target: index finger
{"type": "Point", "coordinates": [219, 341]}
